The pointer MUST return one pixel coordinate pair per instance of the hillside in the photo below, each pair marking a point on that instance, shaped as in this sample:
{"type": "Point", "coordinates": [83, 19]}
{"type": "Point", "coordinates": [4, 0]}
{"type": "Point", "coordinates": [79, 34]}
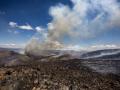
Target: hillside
{"type": "Point", "coordinates": [26, 73]}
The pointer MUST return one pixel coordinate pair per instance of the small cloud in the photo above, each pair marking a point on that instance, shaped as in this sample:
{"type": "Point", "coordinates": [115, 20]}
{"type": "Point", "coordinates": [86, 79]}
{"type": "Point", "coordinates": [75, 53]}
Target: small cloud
{"type": "Point", "coordinates": [39, 29]}
{"type": "Point", "coordinates": [13, 31]}
{"type": "Point", "coordinates": [73, 47]}
{"type": "Point", "coordinates": [107, 46]}
{"type": "Point", "coordinates": [23, 27]}
{"type": "Point", "coordinates": [8, 45]}
{"type": "Point", "coordinates": [13, 24]}
{"type": "Point", "coordinates": [16, 32]}
{"type": "Point", "coordinates": [12, 45]}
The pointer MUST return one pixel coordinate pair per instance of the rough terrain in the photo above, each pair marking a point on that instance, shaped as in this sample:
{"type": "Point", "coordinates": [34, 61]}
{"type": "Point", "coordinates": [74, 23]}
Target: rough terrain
{"type": "Point", "coordinates": [69, 74]}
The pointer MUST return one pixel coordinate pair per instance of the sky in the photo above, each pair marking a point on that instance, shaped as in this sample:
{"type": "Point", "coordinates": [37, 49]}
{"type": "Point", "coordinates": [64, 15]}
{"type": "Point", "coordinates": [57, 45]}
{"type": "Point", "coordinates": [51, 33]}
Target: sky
{"type": "Point", "coordinates": [60, 23]}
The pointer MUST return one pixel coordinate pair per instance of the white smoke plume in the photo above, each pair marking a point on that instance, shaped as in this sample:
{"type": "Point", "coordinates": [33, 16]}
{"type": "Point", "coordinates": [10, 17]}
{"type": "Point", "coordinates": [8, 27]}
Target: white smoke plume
{"type": "Point", "coordinates": [86, 19]}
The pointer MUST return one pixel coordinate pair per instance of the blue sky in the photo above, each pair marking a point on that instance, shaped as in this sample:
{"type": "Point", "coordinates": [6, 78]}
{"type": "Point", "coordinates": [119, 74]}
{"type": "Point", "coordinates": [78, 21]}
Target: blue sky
{"type": "Point", "coordinates": [21, 20]}
{"type": "Point", "coordinates": [33, 12]}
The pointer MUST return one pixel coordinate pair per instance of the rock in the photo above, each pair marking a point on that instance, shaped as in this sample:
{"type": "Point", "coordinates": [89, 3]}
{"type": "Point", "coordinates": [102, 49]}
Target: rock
{"type": "Point", "coordinates": [64, 87]}
{"type": "Point", "coordinates": [36, 81]}
{"type": "Point", "coordinates": [34, 88]}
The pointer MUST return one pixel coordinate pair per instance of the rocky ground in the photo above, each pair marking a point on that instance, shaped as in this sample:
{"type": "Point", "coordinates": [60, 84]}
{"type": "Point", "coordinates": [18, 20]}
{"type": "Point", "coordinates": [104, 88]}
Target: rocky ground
{"type": "Point", "coordinates": [54, 75]}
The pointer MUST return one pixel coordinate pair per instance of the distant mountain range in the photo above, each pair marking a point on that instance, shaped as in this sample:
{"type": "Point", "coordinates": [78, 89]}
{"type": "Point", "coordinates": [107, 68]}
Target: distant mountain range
{"type": "Point", "coordinates": [18, 50]}
{"type": "Point", "coordinates": [97, 54]}
{"type": "Point", "coordinates": [11, 57]}
{"type": "Point", "coordinates": [102, 54]}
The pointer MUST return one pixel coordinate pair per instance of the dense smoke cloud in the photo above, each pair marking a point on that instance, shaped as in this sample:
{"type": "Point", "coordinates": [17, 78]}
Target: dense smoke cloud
{"type": "Point", "coordinates": [77, 21]}
{"type": "Point", "coordinates": [86, 19]}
